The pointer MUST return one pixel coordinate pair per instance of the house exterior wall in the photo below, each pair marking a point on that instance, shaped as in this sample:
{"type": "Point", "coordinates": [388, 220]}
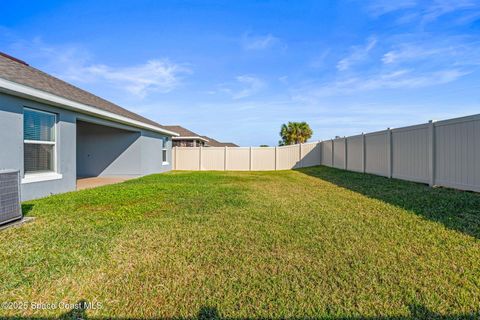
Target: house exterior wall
{"type": "Point", "coordinates": [107, 151]}
{"type": "Point", "coordinates": [148, 147]}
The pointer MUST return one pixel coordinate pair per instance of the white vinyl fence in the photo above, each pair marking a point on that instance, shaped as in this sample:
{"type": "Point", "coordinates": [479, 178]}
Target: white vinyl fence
{"type": "Point", "coordinates": [247, 159]}
{"type": "Point", "coordinates": [444, 153]}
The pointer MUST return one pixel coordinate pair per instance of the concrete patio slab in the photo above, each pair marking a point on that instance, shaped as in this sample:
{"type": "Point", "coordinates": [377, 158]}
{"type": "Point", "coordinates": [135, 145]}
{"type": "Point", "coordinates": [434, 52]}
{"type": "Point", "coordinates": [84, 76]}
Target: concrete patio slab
{"type": "Point", "coordinates": [93, 182]}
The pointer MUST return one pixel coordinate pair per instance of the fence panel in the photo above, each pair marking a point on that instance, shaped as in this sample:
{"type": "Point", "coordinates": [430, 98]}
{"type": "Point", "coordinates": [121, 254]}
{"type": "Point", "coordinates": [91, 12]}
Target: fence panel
{"type": "Point", "coordinates": [376, 156]}
{"type": "Point", "coordinates": [288, 157]}
{"type": "Point", "coordinates": [327, 153]}
{"type": "Point", "coordinates": [457, 153]}
{"type": "Point", "coordinates": [263, 159]}
{"type": "Point", "coordinates": [355, 153]}
{"type": "Point", "coordinates": [445, 153]}
{"type": "Point", "coordinates": [238, 159]}
{"type": "Point", "coordinates": [410, 153]}
{"type": "Point", "coordinates": [187, 158]}
{"type": "Point", "coordinates": [213, 158]}
{"type": "Point", "coordinates": [311, 154]}
{"type": "Point", "coordinates": [339, 153]}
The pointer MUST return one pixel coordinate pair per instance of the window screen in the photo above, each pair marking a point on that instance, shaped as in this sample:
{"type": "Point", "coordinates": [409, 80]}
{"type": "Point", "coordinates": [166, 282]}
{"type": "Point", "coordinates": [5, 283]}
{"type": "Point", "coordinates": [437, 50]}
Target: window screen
{"type": "Point", "coordinates": [38, 157]}
{"type": "Point", "coordinates": [38, 125]}
{"type": "Point", "coordinates": [164, 150]}
{"type": "Point", "coordinates": [39, 141]}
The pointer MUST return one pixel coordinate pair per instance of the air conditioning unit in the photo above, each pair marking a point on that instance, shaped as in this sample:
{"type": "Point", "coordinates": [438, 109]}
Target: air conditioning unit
{"type": "Point", "coordinates": [10, 207]}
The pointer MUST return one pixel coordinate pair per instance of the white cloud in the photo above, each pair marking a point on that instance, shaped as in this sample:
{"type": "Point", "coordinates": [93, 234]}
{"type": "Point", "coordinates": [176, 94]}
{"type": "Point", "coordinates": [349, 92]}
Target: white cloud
{"type": "Point", "coordinates": [357, 54]}
{"type": "Point", "coordinates": [252, 85]}
{"type": "Point", "coordinates": [399, 79]}
{"type": "Point", "coordinates": [251, 42]}
{"type": "Point", "coordinates": [381, 7]}
{"type": "Point", "coordinates": [409, 51]}
{"type": "Point", "coordinates": [244, 86]}
{"type": "Point", "coordinates": [439, 8]}
{"type": "Point", "coordinates": [320, 60]}
{"type": "Point", "coordinates": [425, 11]}
{"type": "Point", "coordinates": [440, 53]}
{"type": "Point", "coordinates": [283, 79]}
{"type": "Point", "coordinates": [154, 75]}
{"type": "Point", "coordinates": [74, 63]}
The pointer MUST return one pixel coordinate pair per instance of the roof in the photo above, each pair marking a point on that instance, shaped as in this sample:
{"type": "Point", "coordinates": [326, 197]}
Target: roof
{"type": "Point", "coordinates": [230, 144]}
{"type": "Point", "coordinates": [186, 134]}
{"type": "Point", "coordinates": [214, 143]}
{"type": "Point", "coordinates": [18, 71]}
{"type": "Point", "coordinates": [183, 132]}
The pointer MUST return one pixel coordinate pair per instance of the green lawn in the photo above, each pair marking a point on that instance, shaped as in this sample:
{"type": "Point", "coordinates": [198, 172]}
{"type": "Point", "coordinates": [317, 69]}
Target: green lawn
{"type": "Point", "coordinates": [312, 243]}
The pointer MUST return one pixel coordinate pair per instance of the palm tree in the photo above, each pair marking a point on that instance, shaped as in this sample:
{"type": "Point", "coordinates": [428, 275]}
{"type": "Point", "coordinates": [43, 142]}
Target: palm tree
{"type": "Point", "coordinates": [294, 133]}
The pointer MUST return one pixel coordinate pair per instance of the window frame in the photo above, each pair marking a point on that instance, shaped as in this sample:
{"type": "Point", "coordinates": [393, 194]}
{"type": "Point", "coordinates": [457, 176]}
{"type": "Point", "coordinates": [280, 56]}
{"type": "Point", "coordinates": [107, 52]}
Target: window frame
{"type": "Point", "coordinates": [165, 149]}
{"type": "Point", "coordinates": [54, 172]}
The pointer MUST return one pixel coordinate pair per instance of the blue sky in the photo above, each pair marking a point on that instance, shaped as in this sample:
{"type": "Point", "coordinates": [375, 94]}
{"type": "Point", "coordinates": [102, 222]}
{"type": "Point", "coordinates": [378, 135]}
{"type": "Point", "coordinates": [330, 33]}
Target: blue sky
{"type": "Point", "coordinates": [237, 70]}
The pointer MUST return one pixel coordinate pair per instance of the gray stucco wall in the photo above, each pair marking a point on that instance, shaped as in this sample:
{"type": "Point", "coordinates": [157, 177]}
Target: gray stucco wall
{"type": "Point", "coordinates": [117, 151]}
{"type": "Point", "coordinates": [141, 157]}
{"type": "Point", "coordinates": [104, 151]}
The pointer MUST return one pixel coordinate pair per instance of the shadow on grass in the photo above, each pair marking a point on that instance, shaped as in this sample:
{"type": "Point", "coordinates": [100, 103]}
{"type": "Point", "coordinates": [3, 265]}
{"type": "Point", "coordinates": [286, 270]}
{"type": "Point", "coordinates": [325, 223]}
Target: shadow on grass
{"type": "Point", "coordinates": [26, 208]}
{"type": "Point", "coordinates": [455, 209]}
{"type": "Point", "coordinates": [212, 313]}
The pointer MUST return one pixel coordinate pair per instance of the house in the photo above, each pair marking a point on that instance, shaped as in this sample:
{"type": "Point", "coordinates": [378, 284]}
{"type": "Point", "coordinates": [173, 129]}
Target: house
{"type": "Point", "coordinates": [186, 138]}
{"type": "Point", "coordinates": [214, 143]}
{"type": "Point", "coordinates": [55, 133]}
{"type": "Point", "coordinates": [189, 138]}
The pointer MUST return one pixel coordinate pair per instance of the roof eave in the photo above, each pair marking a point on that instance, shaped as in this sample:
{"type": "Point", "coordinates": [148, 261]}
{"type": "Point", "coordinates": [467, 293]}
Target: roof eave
{"type": "Point", "coordinates": [21, 90]}
{"type": "Point", "coordinates": [189, 138]}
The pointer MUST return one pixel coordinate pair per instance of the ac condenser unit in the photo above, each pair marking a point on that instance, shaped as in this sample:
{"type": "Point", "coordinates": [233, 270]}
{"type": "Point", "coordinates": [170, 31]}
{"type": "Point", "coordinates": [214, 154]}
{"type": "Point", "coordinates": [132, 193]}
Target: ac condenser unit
{"type": "Point", "coordinates": [10, 207]}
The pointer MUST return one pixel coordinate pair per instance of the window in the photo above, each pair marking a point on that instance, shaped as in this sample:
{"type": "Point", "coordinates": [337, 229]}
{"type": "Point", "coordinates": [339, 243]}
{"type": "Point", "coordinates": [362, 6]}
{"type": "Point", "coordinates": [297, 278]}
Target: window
{"type": "Point", "coordinates": [39, 141]}
{"type": "Point", "coordinates": [164, 150]}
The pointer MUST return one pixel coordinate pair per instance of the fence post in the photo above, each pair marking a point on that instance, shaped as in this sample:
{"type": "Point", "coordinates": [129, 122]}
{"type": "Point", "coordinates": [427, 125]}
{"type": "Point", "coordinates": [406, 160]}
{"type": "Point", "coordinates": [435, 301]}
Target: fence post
{"type": "Point", "coordinates": [276, 158]}
{"type": "Point", "coordinates": [389, 153]}
{"type": "Point", "coordinates": [364, 153]}
{"type": "Point", "coordinates": [431, 152]}
{"type": "Point", "coordinates": [225, 159]}
{"type": "Point", "coordinates": [319, 145]}
{"type": "Point", "coordinates": [200, 159]}
{"type": "Point", "coordinates": [174, 158]}
{"type": "Point", "coordinates": [300, 160]}
{"type": "Point", "coordinates": [333, 154]}
{"type": "Point", "coordinates": [345, 156]}
{"type": "Point", "coordinates": [250, 165]}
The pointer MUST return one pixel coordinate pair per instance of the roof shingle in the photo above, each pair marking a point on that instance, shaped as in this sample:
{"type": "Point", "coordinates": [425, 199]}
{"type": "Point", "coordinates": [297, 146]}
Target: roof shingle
{"type": "Point", "coordinates": [214, 143]}
{"type": "Point", "coordinates": [18, 71]}
{"type": "Point", "coordinates": [184, 132]}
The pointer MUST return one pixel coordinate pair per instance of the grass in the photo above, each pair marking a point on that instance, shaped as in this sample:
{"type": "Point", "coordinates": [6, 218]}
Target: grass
{"type": "Point", "coordinates": [313, 243]}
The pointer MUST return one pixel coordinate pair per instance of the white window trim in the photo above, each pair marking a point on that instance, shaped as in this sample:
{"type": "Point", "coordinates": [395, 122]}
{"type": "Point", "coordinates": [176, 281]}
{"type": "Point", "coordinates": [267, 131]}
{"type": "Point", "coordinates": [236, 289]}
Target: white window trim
{"type": "Point", "coordinates": [164, 148]}
{"type": "Point", "coordinates": [165, 162]}
{"type": "Point", "coordinates": [42, 176]}
{"type": "Point", "coordinates": [38, 142]}
{"type": "Point", "coordinates": [29, 177]}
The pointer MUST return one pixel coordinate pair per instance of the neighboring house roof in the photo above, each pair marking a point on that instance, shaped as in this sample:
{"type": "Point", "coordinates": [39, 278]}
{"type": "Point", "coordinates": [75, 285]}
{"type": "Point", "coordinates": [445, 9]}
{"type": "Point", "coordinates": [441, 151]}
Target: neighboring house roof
{"type": "Point", "coordinates": [230, 144]}
{"type": "Point", "coordinates": [185, 134]}
{"type": "Point", "coordinates": [214, 143]}
{"type": "Point", "coordinates": [19, 72]}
